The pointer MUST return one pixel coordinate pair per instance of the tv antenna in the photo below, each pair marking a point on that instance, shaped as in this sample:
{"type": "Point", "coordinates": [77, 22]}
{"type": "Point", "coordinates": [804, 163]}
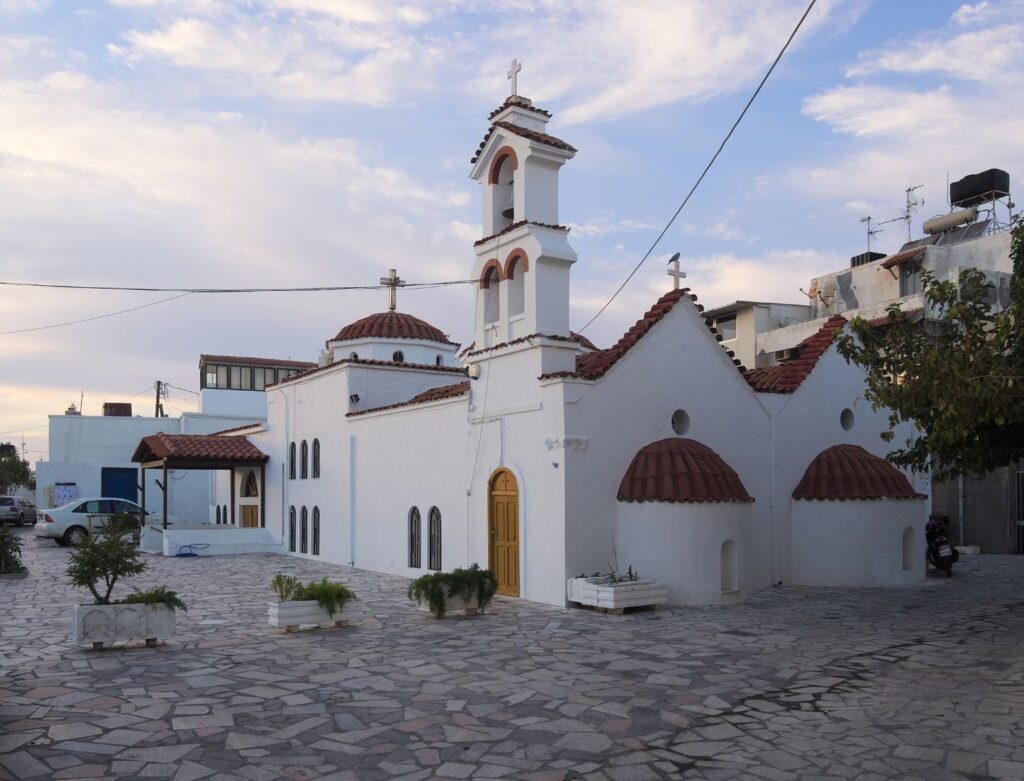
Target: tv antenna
{"type": "Point", "coordinates": [870, 232]}
{"type": "Point", "coordinates": [913, 203]}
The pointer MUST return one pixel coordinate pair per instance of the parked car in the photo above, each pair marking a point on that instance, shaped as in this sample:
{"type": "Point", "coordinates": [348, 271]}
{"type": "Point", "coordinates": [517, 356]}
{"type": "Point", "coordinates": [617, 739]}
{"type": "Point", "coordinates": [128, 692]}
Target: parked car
{"type": "Point", "coordinates": [14, 509]}
{"type": "Point", "coordinates": [70, 524]}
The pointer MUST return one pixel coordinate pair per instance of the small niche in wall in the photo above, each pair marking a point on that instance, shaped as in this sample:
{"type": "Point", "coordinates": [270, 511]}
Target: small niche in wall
{"type": "Point", "coordinates": [680, 422]}
{"type": "Point", "coordinates": [846, 419]}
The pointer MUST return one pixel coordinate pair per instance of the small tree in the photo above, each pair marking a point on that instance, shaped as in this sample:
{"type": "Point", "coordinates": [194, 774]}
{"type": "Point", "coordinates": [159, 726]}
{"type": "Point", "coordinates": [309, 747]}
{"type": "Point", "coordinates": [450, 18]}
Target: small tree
{"type": "Point", "coordinates": [10, 552]}
{"type": "Point", "coordinates": [107, 556]}
{"type": "Point", "coordinates": [958, 377]}
{"type": "Point", "coordinates": [14, 470]}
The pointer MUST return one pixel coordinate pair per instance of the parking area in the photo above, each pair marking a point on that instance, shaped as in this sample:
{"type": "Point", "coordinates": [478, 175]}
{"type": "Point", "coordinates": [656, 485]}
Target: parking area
{"type": "Point", "coordinates": [798, 683]}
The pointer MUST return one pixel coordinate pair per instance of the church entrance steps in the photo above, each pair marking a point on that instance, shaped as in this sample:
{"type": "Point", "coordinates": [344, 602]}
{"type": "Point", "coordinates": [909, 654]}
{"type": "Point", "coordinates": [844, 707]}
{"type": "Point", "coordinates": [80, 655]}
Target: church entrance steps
{"type": "Point", "coordinates": [207, 539]}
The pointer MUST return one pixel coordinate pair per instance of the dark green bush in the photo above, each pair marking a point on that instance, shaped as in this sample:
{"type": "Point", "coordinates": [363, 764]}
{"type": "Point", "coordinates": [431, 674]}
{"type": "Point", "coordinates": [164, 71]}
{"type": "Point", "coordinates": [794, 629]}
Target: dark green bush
{"type": "Point", "coordinates": [10, 551]}
{"type": "Point", "coordinates": [158, 595]}
{"type": "Point", "coordinates": [329, 595]}
{"type": "Point", "coordinates": [105, 557]}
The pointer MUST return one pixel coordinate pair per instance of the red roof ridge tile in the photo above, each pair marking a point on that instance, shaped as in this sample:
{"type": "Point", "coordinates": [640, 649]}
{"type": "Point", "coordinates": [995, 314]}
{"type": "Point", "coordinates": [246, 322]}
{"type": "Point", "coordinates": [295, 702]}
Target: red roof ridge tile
{"type": "Point", "coordinates": [512, 101]}
{"type": "Point", "coordinates": [787, 376]}
{"type": "Point", "coordinates": [573, 337]}
{"type": "Point", "coordinates": [849, 472]}
{"type": "Point", "coordinates": [680, 470]}
{"type": "Point", "coordinates": [520, 224]}
{"type": "Point", "coordinates": [433, 394]}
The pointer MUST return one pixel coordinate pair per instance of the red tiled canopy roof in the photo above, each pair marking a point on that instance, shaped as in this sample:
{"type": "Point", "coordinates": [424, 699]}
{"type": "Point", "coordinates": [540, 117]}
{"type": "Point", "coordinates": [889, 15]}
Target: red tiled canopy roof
{"type": "Point", "coordinates": [788, 376]}
{"type": "Point", "coordinates": [391, 325]}
{"type": "Point", "coordinates": [680, 470]}
{"type": "Point", "coordinates": [902, 257]}
{"type": "Point", "coordinates": [183, 448]}
{"type": "Point", "coordinates": [851, 472]}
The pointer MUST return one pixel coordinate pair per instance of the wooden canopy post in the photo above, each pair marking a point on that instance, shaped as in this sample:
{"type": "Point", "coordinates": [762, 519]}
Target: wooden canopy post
{"type": "Point", "coordinates": [232, 496]}
{"type": "Point", "coordinates": [142, 509]}
{"type": "Point", "coordinates": [165, 487]}
{"type": "Point", "coordinates": [263, 495]}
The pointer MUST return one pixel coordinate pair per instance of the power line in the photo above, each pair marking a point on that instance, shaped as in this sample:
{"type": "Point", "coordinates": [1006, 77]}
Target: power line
{"type": "Point", "coordinates": [95, 317]}
{"type": "Point", "coordinates": [707, 168]}
{"type": "Point", "coordinates": [194, 393]}
{"type": "Point", "coordinates": [19, 430]}
{"type": "Point", "coordinates": [209, 290]}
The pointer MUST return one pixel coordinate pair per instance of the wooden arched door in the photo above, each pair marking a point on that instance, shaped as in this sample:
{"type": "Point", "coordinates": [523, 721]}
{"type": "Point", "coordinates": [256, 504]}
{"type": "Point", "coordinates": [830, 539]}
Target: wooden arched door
{"type": "Point", "coordinates": [503, 531]}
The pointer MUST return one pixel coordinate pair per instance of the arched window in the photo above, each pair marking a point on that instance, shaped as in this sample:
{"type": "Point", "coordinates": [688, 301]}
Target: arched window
{"type": "Point", "coordinates": [316, 458]}
{"type": "Point", "coordinates": [218, 514]}
{"type": "Point", "coordinates": [434, 538]}
{"type": "Point", "coordinates": [515, 276]}
{"type": "Point", "coordinates": [729, 567]}
{"type": "Point", "coordinates": [291, 461]}
{"type": "Point", "coordinates": [398, 356]}
{"type": "Point", "coordinates": [909, 549]}
{"type": "Point", "coordinates": [304, 463]}
{"type": "Point", "coordinates": [438, 361]}
{"type": "Point", "coordinates": [250, 488]}
{"type": "Point", "coordinates": [224, 514]}
{"type": "Point", "coordinates": [316, 531]}
{"type": "Point", "coordinates": [304, 538]}
{"type": "Point", "coordinates": [502, 180]}
{"type": "Point", "coordinates": [291, 529]}
{"type": "Point", "coordinates": [492, 305]}
{"type": "Point", "coordinates": [414, 538]}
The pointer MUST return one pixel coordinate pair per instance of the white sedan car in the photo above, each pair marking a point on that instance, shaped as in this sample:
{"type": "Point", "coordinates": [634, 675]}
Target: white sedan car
{"type": "Point", "coordinates": [71, 523]}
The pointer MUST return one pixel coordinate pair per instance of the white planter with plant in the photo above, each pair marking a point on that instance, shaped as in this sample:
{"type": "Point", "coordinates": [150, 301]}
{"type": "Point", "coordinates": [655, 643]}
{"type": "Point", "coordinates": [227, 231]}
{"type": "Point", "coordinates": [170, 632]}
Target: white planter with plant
{"type": "Point", "coordinates": [616, 591]}
{"type": "Point", "coordinates": [310, 604]}
{"type": "Point", "coordinates": [102, 559]}
{"type": "Point", "coordinates": [468, 591]}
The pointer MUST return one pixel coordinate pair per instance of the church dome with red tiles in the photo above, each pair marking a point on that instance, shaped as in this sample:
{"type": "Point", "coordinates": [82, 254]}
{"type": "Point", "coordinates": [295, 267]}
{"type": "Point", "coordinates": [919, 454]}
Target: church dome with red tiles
{"type": "Point", "coordinates": [680, 470]}
{"type": "Point", "coordinates": [851, 472]}
{"type": "Point", "coordinates": [391, 325]}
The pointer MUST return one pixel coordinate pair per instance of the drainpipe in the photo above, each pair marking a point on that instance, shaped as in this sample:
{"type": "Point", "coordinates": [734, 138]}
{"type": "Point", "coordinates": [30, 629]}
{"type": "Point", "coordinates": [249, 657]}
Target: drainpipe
{"type": "Point", "coordinates": [773, 509]}
{"type": "Point", "coordinates": [352, 499]}
{"type": "Point", "coordinates": [284, 462]}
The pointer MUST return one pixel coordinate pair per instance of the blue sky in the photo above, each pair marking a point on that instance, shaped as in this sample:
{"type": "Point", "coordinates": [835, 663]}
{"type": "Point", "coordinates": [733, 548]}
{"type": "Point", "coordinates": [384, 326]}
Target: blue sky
{"type": "Point", "coordinates": [303, 142]}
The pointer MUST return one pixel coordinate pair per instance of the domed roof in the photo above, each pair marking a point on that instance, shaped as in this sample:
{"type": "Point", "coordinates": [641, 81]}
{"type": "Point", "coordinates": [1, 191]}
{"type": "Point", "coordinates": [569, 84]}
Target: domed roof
{"type": "Point", "coordinates": [851, 472]}
{"type": "Point", "coordinates": [680, 470]}
{"type": "Point", "coordinates": [391, 325]}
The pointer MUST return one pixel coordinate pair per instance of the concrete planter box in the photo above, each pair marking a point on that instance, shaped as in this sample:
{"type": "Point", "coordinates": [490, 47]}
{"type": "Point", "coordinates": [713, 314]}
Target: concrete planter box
{"type": "Point", "coordinates": [14, 575]}
{"type": "Point", "coordinates": [100, 624]}
{"type": "Point", "coordinates": [292, 615]}
{"type": "Point", "coordinates": [599, 593]}
{"type": "Point", "coordinates": [453, 604]}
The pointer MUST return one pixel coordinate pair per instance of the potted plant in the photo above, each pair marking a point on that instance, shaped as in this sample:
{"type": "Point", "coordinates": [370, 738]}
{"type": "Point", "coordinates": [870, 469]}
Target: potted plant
{"type": "Point", "coordinates": [10, 554]}
{"type": "Point", "coordinates": [102, 560]}
{"type": "Point", "coordinates": [467, 589]}
{"type": "Point", "coordinates": [616, 591]}
{"type": "Point", "coordinates": [310, 604]}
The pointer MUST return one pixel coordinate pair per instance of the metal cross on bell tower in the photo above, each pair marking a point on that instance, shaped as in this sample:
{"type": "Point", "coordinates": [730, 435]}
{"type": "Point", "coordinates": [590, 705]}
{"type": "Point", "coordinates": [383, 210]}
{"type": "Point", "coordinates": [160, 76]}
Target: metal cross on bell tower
{"type": "Point", "coordinates": [674, 272]}
{"type": "Point", "coordinates": [392, 283]}
{"type": "Point", "coordinates": [512, 72]}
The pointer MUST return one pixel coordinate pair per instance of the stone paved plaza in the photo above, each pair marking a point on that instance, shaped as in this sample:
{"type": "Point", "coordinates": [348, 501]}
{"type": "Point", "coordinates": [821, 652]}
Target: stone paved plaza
{"type": "Point", "coordinates": [910, 683]}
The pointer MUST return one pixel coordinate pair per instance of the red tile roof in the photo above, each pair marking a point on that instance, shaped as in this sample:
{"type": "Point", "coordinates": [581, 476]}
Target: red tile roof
{"type": "Point", "coordinates": [514, 100]}
{"type": "Point", "coordinates": [680, 470]}
{"type": "Point", "coordinates": [197, 447]}
{"type": "Point", "coordinates": [851, 472]}
{"type": "Point", "coordinates": [530, 135]}
{"type": "Point", "coordinates": [519, 224]}
{"type": "Point", "coordinates": [909, 314]}
{"type": "Point", "coordinates": [787, 376]}
{"type": "Point", "coordinates": [236, 428]}
{"type": "Point", "coordinates": [902, 257]}
{"type": "Point", "coordinates": [434, 394]}
{"type": "Point", "coordinates": [270, 362]}
{"type": "Point", "coordinates": [391, 325]}
{"type": "Point", "coordinates": [572, 337]}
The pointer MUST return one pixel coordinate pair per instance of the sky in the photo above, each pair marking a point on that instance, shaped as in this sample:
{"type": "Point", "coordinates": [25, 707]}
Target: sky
{"type": "Point", "coordinates": [269, 143]}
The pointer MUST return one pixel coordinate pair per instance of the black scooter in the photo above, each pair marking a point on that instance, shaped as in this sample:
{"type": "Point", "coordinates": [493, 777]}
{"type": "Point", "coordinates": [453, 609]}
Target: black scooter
{"type": "Point", "coordinates": [941, 552]}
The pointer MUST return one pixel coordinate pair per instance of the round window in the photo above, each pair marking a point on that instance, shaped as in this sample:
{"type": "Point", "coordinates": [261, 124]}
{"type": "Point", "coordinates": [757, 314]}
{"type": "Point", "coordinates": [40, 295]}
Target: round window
{"type": "Point", "coordinates": [680, 422]}
{"type": "Point", "coordinates": [846, 419]}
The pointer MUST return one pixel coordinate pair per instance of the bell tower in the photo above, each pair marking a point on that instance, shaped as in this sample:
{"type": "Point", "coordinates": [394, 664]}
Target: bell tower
{"type": "Point", "coordinates": [522, 263]}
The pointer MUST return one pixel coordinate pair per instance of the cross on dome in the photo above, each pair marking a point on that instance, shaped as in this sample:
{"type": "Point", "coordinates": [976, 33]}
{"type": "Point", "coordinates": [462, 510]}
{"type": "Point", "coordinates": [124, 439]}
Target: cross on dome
{"type": "Point", "coordinates": [511, 75]}
{"type": "Point", "coordinates": [392, 283]}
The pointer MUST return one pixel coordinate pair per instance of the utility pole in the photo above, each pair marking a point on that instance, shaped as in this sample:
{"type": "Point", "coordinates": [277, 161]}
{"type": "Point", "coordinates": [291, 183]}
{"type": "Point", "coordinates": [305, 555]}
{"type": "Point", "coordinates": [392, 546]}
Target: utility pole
{"type": "Point", "coordinates": [158, 411]}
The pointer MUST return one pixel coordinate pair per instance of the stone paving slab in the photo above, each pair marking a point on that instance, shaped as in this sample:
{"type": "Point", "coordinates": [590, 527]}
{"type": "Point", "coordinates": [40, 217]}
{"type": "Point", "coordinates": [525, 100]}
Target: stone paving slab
{"type": "Point", "coordinates": [797, 684]}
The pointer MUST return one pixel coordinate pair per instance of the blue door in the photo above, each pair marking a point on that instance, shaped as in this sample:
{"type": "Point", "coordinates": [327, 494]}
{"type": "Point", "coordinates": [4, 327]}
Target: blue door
{"type": "Point", "coordinates": [120, 483]}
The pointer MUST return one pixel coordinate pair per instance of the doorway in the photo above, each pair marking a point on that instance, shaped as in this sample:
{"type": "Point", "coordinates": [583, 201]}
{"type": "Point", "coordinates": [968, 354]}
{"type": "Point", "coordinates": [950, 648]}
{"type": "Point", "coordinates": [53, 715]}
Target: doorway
{"type": "Point", "coordinates": [503, 531]}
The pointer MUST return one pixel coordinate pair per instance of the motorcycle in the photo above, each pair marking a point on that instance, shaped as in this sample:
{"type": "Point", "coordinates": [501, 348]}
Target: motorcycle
{"type": "Point", "coordinates": [941, 552]}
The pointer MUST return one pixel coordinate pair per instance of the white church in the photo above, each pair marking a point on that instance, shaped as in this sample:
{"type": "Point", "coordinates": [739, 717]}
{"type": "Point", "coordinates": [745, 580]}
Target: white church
{"type": "Point", "coordinates": [537, 454]}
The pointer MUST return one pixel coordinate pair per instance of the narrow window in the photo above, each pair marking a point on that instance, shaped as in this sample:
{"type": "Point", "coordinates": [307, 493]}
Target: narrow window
{"type": "Point", "coordinates": [316, 458]}
{"type": "Point", "coordinates": [246, 378]}
{"type": "Point", "coordinates": [259, 379]}
{"type": "Point", "coordinates": [438, 360]}
{"type": "Point", "coordinates": [211, 377]}
{"type": "Point", "coordinates": [304, 546]}
{"type": "Point", "coordinates": [305, 460]}
{"type": "Point", "coordinates": [434, 539]}
{"type": "Point", "coordinates": [516, 288]}
{"type": "Point", "coordinates": [291, 529]}
{"type": "Point", "coordinates": [222, 376]}
{"type": "Point", "coordinates": [250, 487]}
{"type": "Point", "coordinates": [236, 377]}
{"type": "Point", "coordinates": [398, 356]}
{"type": "Point", "coordinates": [414, 538]}
{"type": "Point", "coordinates": [218, 514]}
{"type": "Point", "coordinates": [316, 531]}
{"type": "Point", "coordinates": [291, 461]}
{"type": "Point", "coordinates": [908, 548]}
{"type": "Point", "coordinates": [730, 575]}
{"type": "Point", "coordinates": [224, 514]}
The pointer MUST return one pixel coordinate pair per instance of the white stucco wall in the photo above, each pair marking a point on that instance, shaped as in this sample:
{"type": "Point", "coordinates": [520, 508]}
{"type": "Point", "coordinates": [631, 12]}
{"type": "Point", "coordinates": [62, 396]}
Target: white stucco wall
{"type": "Point", "coordinates": [233, 403]}
{"type": "Point", "coordinates": [680, 546]}
{"type": "Point", "coordinates": [858, 543]}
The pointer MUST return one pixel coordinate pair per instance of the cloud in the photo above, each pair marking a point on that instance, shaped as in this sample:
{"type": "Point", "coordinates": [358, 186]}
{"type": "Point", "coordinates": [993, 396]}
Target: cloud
{"type": "Point", "coordinates": [605, 224]}
{"type": "Point", "coordinates": [870, 110]}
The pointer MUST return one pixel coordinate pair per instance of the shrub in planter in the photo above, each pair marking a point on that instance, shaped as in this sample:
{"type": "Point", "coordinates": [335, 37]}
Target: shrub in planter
{"type": "Point", "coordinates": [473, 586]}
{"type": "Point", "coordinates": [316, 602]}
{"type": "Point", "coordinates": [104, 558]}
{"type": "Point", "coordinates": [10, 552]}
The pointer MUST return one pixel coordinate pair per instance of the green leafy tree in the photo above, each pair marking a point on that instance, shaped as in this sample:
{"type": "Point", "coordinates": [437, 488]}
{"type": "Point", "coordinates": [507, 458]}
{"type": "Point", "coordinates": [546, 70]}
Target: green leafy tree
{"type": "Point", "coordinates": [14, 470]}
{"type": "Point", "coordinates": [106, 556]}
{"type": "Point", "coordinates": [958, 377]}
